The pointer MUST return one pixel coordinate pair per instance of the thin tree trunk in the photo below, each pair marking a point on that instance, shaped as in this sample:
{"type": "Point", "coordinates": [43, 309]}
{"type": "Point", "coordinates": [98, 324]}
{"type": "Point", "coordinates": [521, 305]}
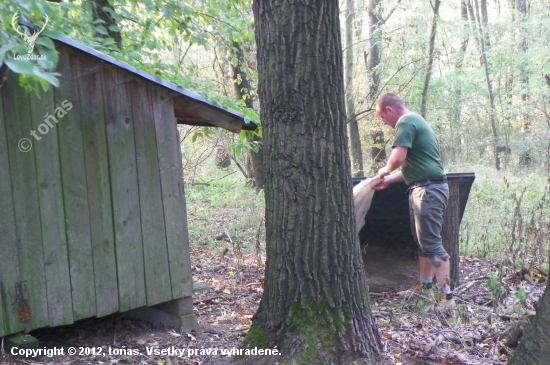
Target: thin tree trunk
{"type": "Point", "coordinates": [315, 306]}
{"type": "Point", "coordinates": [464, 6]}
{"type": "Point", "coordinates": [377, 151]}
{"type": "Point", "coordinates": [429, 66]}
{"type": "Point", "coordinates": [242, 88]}
{"type": "Point", "coordinates": [356, 153]}
{"type": "Point", "coordinates": [108, 20]}
{"type": "Point", "coordinates": [484, 43]}
{"type": "Point", "coordinates": [456, 112]}
{"type": "Point", "coordinates": [521, 10]}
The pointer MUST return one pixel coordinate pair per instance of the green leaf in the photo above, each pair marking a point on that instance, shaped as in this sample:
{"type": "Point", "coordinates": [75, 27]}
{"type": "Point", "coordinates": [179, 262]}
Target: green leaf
{"type": "Point", "coordinates": [46, 76]}
{"type": "Point", "coordinates": [46, 42]}
{"type": "Point", "coordinates": [51, 56]}
{"type": "Point", "coordinates": [10, 45]}
{"type": "Point", "coordinates": [20, 66]}
{"type": "Point", "coordinates": [101, 30]}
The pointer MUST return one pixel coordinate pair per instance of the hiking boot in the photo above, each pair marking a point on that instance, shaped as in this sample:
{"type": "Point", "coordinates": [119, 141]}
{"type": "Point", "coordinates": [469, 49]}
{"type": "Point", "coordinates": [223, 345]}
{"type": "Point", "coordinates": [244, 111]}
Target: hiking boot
{"type": "Point", "coordinates": [416, 289]}
{"type": "Point", "coordinates": [447, 306]}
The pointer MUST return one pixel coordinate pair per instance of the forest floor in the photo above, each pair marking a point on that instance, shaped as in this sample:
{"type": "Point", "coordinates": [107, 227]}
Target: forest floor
{"type": "Point", "coordinates": [412, 331]}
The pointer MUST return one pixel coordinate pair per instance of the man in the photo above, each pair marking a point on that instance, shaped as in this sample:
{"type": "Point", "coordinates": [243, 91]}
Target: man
{"type": "Point", "coordinates": [416, 151]}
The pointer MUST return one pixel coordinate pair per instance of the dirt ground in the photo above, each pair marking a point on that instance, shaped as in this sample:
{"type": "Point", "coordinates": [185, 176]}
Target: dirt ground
{"type": "Point", "coordinates": [413, 330]}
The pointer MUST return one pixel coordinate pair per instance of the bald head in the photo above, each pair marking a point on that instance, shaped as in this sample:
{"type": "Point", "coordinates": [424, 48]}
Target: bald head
{"type": "Point", "coordinates": [390, 100]}
{"type": "Point", "coordinates": [390, 108]}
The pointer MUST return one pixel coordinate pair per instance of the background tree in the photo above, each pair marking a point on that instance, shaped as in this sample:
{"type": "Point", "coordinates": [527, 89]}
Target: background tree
{"type": "Point", "coordinates": [373, 59]}
{"type": "Point", "coordinates": [107, 27]}
{"type": "Point", "coordinates": [315, 305]}
{"type": "Point", "coordinates": [480, 16]}
{"type": "Point", "coordinates": [356, 154]}
{"type": "Point", "coordinates": [430, 63]}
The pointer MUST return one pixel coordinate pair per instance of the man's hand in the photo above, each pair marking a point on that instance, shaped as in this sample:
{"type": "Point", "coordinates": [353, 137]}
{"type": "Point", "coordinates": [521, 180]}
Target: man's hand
{"type": "Point", "coordinates": [387, 179]}
{"type": "Point", "coordinates": [383, 172]}
{"type": "Point", "coordinates": [382, 185]}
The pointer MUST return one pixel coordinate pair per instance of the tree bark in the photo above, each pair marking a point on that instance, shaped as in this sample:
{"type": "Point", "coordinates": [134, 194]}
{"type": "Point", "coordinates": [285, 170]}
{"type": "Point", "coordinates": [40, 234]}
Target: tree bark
{"type": "Point", "coordinates": [315, 306]}
{"type": "Point", "coordinates": [242, 88]}
{"type": "Point", "coordinates": [429, 65]}
{"type": "Point", "coordinates": [108, 20]}
{"type": "Point", "coordinates": [534, 348]}
{"type": "Point", "coordinates": [356, 153]}
{"type": "Point", "coordinates": [377, 151]}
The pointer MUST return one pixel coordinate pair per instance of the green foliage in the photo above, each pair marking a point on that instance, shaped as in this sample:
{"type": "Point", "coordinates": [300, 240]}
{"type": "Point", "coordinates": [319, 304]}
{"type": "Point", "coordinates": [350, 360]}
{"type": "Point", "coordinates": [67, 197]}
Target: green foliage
{"type": "Point", "coordinates": [506, 218]}
{"type": "Point", "coordinates": [224, 205]}
{"type": "Point", "coordinates": [150, 29]}
{"type": "Point", "coordinates": [36, 68]}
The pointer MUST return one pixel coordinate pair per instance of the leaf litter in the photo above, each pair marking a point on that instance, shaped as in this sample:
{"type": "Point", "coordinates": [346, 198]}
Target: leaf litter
{"type": "Point", "coordinates": [490, 300]}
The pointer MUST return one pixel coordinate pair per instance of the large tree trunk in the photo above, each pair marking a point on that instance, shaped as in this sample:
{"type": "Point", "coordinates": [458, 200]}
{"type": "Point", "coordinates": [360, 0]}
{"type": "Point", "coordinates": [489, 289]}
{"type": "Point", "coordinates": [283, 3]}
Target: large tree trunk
{"type": "Point", "coordinates": [378, 150]}
{"type": "Point", "coordinates": [315, 306]}
{"type": "Point", "coordinates": [353, 128]}
{"type": "Point", "coordinates": [242, 88]}
{"type": "Point", "coordinates": [534, 348]}
{"type": "Point", "coordinates": [429, 65]}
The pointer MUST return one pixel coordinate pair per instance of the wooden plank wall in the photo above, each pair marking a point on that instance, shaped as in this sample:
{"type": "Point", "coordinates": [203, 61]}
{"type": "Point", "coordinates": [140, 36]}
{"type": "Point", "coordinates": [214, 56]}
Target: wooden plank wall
{"type": "Point", "coordinates": [93, 218]}
{"type": "Point", "coordinates": [23, 171]}
{"type": "Point", "coordinates": [75, 191]}
{"type": "Point", "coordinates": [124, 189]}
{"type": "Point", "coordinates": [88, 81]}
{"type": "Point", "coordinates": [155, 253]}
{"type": "Point", "coordinates": [173, 197]}
{"type": "Point", "coordinates": [9, 268]}
{"type": "Point", "coordinates": [52, 213]}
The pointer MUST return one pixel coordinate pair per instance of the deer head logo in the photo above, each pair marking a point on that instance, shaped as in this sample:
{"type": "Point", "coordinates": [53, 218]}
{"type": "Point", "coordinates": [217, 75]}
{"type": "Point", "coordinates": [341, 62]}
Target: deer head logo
{"type": "Point", "coordinates": [29, 38]}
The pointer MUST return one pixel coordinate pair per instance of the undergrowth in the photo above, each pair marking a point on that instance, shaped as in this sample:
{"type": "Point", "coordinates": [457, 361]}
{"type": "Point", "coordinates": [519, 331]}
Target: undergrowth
{"type": "Point", "coordinates": [507, 219]}
{"type": "Point", "coordinates": [225, 214]}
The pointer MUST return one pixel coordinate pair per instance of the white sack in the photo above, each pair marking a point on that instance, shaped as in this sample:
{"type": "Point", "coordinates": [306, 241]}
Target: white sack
{"type": "Point", "coordinates": [362, 197]}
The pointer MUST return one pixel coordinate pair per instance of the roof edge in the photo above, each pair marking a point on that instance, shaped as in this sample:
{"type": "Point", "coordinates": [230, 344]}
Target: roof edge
{"type": "Point", "coordinates": [167, 84]}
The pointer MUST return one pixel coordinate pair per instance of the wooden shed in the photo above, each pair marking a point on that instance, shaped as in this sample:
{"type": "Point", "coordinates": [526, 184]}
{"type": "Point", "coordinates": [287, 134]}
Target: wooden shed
{"type": "Point", "coordinates": [92, 205]}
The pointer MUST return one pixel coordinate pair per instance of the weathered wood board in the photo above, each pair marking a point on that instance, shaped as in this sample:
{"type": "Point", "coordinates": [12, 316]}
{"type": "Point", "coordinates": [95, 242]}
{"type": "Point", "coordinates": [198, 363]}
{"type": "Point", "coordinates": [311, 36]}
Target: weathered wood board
{"type": "Point", "coordinates": [52, 210]}
{"type": "Point", "coordinates": [9, 269]}
{"type": "Point", "coordinates": [75, 193]}
{"type": "Point", "coordinates": [124, 189]}
{"type": "Point", "coordinates": [157, 270]}
{"type": "Point", "coordinates": [173, 198]}
{"type": "Point", "coordinates": [88, 79]}
{"type": "Point", "coordinates": [26, 207]}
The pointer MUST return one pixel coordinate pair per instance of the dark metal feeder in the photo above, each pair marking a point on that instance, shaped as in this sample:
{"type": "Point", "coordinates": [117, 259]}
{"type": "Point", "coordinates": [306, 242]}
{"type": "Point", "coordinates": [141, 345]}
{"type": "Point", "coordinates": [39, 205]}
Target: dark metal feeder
{"type": "Point", "coordinates": [390, 251]}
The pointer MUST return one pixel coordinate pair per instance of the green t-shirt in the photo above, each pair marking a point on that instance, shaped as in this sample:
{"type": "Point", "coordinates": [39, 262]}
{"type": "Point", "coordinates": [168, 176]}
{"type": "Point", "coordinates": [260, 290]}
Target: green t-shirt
{"type": "Point", "coordinates": [423, 159]}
